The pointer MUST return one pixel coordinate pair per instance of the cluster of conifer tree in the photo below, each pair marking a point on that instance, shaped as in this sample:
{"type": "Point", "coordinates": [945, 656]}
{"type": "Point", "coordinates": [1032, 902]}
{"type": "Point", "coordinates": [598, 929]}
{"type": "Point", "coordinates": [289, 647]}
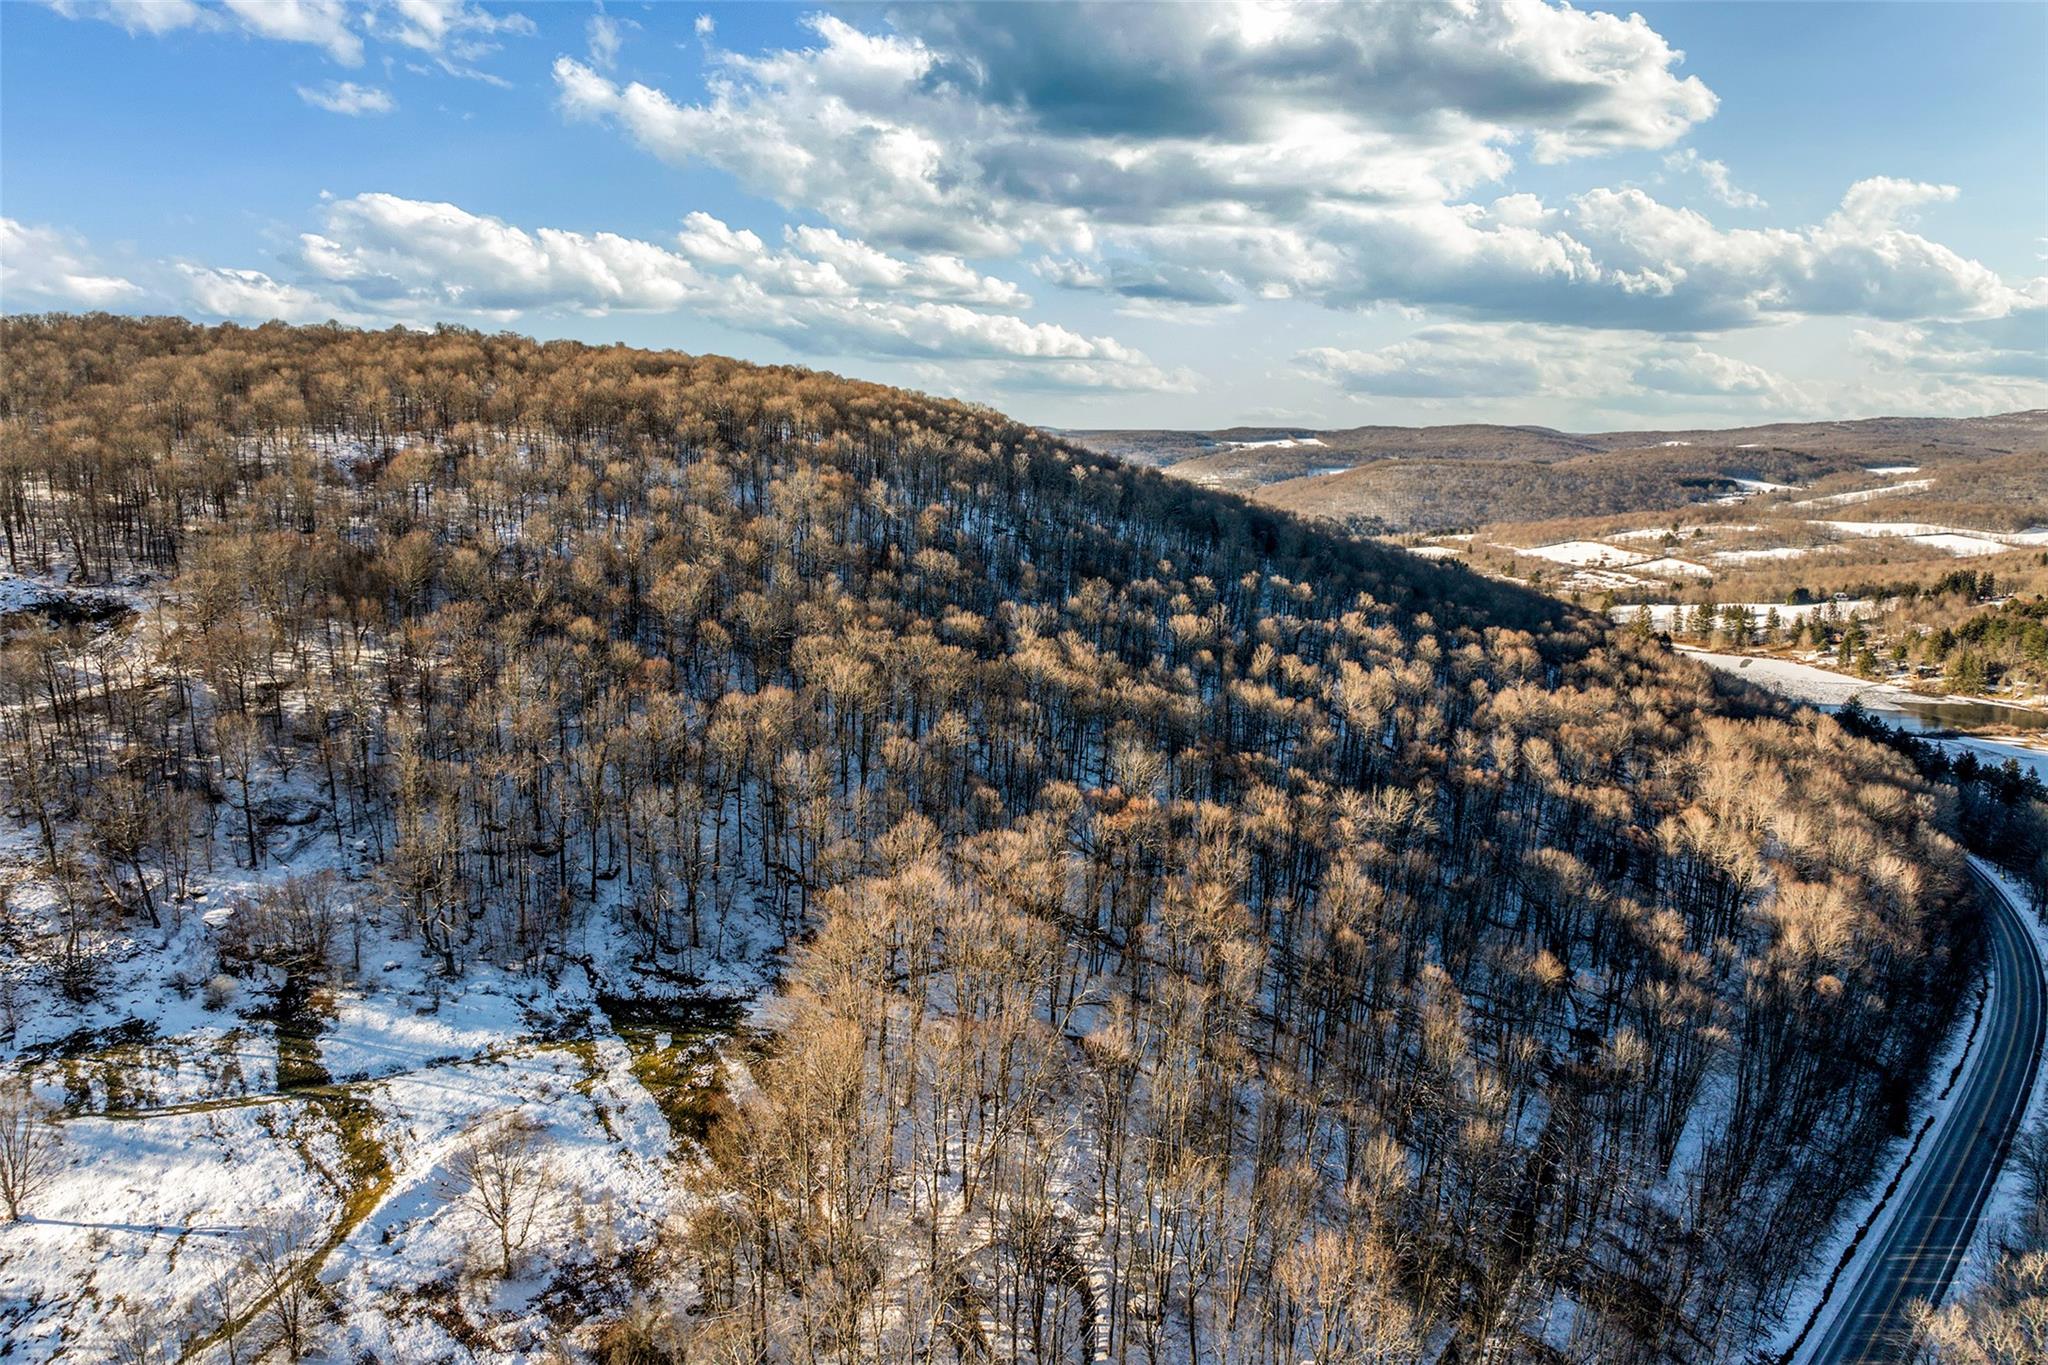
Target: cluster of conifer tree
{"type": "Point", "coordinates": [1208, 938]}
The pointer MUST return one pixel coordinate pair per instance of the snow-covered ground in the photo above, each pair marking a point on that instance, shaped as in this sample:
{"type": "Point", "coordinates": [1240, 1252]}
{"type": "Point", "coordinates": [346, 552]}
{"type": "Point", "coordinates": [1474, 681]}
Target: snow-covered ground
{"type": "Point", "coordinates": [1750, 488]}
{"type": "Point", "coordinates": [1598, 580]}
{"type": "Point", "coordinates": [1914, 530]}
{"type": "Point", "coordinates": [154, 1205]}
{"type": "Point", "coordinates": [1961, 545]}
{"type": "Point", "coordinates": [1804, 682]}
{"type": "Point", "coordinates": [20, 592]}
{"type": "Point", "coordinates": [1581, 554]}
{"type": "Point", "coordinates": [1277, 443]}
{"type": "Point", "coordinates": [147, 1214]}
{"type": "Point", "coordinates": [1668, 566]}
{"type": "Point", "coordinates": [1866, 494]}
{"type": "Point", "coordinates": [1685, 532]}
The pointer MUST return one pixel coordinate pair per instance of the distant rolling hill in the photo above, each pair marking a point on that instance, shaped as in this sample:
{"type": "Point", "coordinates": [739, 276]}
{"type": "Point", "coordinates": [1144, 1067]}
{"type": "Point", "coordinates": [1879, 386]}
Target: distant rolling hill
{"type": "Point", "coordinates": [1398, 479]}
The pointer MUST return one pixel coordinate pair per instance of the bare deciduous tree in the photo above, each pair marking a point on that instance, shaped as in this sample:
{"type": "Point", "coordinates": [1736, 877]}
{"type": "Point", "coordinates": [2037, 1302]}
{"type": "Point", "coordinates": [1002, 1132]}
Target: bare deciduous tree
{"type": "Point", "coordinates": [501, 1175]}
{"type": "Point", "coordinates": [30, 1154]}
{"type": "Point", "coordinates": [281, 1264]}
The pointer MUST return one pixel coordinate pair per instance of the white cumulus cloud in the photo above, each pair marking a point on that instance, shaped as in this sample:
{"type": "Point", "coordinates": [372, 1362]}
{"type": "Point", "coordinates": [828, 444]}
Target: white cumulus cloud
{"type": "Point", "coordinates": [252, 296]}
{"type": "Point", "coordinates": [46, 265]}
{"type": "Point", "coordinates": [326, 24]}
{"type": "Point", "coordinates": [1522, 361]}
{"type": "Point", "coordinates": [1714, 175]}
{"type": "Point", "coordinates": [982, 128]}
{"type": "Point", "coordinates": [449, 31]}
{"type": "Point", "coordinates": [346, 97]}
{"type": "Point", "coordinates": [822, 292]}
{"type": "Point", "coordinates": [1181, 157]}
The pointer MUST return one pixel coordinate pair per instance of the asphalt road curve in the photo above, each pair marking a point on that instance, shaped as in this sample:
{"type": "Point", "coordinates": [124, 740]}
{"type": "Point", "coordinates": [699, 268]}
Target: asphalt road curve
{"type": "Point", "coordinates": [1937, 1208]}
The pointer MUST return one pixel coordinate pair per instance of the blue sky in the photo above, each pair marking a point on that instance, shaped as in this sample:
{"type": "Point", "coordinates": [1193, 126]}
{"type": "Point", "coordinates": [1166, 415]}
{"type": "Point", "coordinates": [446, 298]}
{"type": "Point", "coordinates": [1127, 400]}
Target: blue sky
{"type": "Point", "coordinates": [1131, 215]}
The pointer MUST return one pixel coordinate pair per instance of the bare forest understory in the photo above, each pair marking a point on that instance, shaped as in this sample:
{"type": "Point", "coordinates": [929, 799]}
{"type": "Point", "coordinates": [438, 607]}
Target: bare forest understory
{"type": "Point", "coordinates": [528, 851]}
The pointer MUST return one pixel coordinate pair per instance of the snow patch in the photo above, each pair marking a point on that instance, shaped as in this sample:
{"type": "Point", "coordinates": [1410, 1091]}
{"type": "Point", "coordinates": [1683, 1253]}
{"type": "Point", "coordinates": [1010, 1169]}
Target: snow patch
{"type": "Point", "coordinates": [1866, 494]}
{"type": "Point", "coordinates": [1669, 567]}
{"type": "Point", "coordinates": [1582, 553]}
{"type": "Point", "coordinates": [1961, 545]}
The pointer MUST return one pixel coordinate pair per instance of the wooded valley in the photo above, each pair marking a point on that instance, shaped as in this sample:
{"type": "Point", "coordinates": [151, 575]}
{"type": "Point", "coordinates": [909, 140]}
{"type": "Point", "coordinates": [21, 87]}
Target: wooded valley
{"type": "Point", "coordinates": [1186, 932]}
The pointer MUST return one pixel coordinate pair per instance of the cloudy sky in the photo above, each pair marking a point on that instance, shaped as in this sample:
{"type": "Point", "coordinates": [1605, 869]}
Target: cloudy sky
{"type": "Point", "coordinates": [1129, 215]}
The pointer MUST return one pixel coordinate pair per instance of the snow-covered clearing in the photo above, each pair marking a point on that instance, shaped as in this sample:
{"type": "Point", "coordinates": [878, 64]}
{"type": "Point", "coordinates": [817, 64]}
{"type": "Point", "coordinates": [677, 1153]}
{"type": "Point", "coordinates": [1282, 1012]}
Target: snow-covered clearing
{"type": "Point", "coordinates": [2028, 754]}
{"type": "Point", "coordinates": [1602, 579]}
{"type": "Point", "coordinates": [1968, 546]}
{"type": "Point", "coordinates": [1897, 705]}
{"type": "Point", "coordinates": [1276, 443]}
{"type": "Point", "coordinates": [156, 1204]}
{"type": "Point", "coordinates": [1580, 553]}
{"type": "Point", "coordinates": [145, 1215]}
{"type": "Point", "coordinates": [1866, 494]}
{"type": "Point", "coordinates": [1889, 471]}
{"type": "Point", "coordinates": [1890, 528]}
{"type": "Point", "coordinates": [1686, 532]}
{"type": "Point", "coordinates": [1668, 567]}
{"type": "Point", "coordinates": [1805, 682]}
{"type": "Point", "coordinates": [1955, 540]}
{"type": "Point", "coordinates": [1750, 488]}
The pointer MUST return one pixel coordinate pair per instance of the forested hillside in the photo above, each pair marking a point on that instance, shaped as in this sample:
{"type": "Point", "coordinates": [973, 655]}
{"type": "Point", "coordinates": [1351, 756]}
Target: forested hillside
{"type": "Point", "coordinates": [1197, 936]}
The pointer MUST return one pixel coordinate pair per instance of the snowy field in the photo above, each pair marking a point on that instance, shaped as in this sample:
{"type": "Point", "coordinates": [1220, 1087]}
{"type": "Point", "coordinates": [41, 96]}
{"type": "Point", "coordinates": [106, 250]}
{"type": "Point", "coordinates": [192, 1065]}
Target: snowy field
{"type": "Point", "coordinates": [1277, 443]}
{"type": "Point", "coordinates": [1916, 530]}
{"type": "Point", "coordinates": [1580, 554]}
{"type": "Point", "coordinates": [1961, 544]}
{"type": "Point", "coordinates": [1669, 566]}
{"type": "Point", "coordinates": [1867, 494]}
{"type": "Point", "coordinates": [225, 1134]}
{"type": "Point", "coordinates": [1805, 682]}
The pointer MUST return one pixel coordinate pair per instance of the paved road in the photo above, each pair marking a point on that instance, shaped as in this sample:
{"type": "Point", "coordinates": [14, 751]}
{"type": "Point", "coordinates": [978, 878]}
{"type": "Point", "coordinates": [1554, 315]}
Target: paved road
{"type": "Point", "coordinates": [1937, 1207]}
